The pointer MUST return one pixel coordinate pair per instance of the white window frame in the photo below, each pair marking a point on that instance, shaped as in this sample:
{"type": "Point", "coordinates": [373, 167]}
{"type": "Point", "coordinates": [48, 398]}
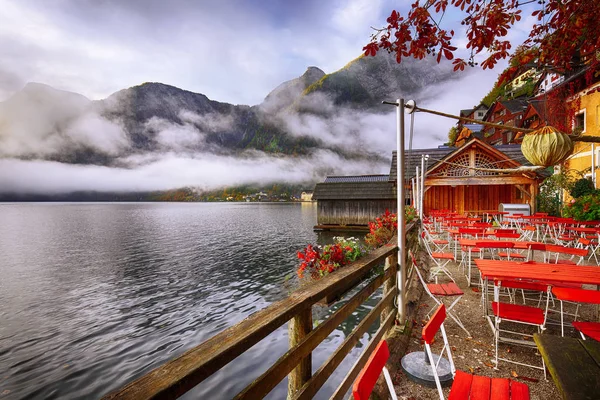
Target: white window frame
{"type": "Point", "coordinates": [580, 112]}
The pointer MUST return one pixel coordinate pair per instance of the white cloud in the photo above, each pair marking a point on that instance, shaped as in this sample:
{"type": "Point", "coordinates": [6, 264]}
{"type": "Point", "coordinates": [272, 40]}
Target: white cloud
{"type": "Point", "coordinates": [169, 171]}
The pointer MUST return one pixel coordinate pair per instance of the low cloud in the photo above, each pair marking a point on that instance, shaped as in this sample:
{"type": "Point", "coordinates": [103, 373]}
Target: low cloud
{"type": "Point", "coordinates": [40, 121]}
{"type": "Point", "coordinates": [169, 171]}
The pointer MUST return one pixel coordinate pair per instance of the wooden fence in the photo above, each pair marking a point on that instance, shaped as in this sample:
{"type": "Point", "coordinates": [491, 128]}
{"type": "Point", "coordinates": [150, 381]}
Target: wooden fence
{"type": "Point", "coordinates": [181, 374]}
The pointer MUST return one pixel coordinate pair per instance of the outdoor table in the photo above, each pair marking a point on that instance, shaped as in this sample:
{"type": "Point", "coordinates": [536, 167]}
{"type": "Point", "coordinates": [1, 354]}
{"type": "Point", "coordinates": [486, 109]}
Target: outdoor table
{"type": "Point", "coordinates": [470, 243]}
{"type": "Point", "coordinates": [574, 365]}
{"type": "Point", "coordinates": [548, 274]}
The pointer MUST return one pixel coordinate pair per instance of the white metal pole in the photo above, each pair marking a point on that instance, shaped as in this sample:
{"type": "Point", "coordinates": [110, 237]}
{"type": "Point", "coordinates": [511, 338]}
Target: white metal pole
{"type": "Point", "coordinates": [418, 202]}
{"type": "Point", "coordinates": [414, 192]}
{"type": "Point", "coordinates": [422, 194]}
{"type": "Point", "coordinates": [400, 208]}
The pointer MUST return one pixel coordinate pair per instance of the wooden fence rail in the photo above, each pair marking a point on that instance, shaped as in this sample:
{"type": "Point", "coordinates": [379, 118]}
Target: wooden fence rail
{"type": "Point", "coordinates": [181, 374]}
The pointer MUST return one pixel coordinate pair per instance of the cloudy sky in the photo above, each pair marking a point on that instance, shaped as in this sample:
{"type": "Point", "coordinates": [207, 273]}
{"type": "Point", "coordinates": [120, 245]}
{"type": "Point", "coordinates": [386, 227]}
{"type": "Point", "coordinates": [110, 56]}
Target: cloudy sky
{"type": "Point", "coordinates": [235, 51]}
{"type": "Point", "coordinates": [231, 50]}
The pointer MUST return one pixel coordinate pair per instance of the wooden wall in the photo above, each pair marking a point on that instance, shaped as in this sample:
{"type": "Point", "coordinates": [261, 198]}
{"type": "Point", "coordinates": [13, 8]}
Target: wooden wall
{"type": "Point", "coordinates": [470, 198]}
{"type": "Point", "coordinates": [351, 212]}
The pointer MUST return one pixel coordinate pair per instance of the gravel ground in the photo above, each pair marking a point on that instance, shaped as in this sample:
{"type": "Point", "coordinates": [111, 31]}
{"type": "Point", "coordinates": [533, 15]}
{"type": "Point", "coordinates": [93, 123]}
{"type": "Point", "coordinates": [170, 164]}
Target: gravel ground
{"type": "Point", "coordinates": [476, 354]}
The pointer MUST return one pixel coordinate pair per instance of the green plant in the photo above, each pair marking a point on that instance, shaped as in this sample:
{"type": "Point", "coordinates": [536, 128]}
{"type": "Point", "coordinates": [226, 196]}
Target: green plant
{"type": "Point", "coordinates": [582, 187]}
{"type": "Point", "coordinates": [550, 195]}
{"type": "Point", "coordinates": [410, 214]}
{"type": "Point", "coordinates": [584, 208]}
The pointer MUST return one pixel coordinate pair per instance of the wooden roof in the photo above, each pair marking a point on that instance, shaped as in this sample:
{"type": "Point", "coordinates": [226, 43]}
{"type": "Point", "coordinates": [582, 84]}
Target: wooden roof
{"type": "Point", "coordinates": [413, 158]}
{"type": "Point", "coordinates": [357, 178]}
{"type": "Point", "coordinates": [355, 191]}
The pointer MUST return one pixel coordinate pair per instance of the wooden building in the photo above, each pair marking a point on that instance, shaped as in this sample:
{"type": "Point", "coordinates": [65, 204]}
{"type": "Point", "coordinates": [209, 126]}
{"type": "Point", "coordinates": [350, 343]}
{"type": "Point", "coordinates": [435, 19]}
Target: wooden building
{"type": "Point", "coordinates": [353, 201]}
{"type": "Point", "coordinates": [452, 182]}
{"type": "Point", "coordinates": [455, 180]}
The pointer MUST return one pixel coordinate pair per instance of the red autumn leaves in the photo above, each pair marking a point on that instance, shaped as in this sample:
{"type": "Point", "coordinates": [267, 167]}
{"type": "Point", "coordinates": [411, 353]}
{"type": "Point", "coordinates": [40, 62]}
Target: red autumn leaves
{"type": "Point", "coordinates": [563, 29]}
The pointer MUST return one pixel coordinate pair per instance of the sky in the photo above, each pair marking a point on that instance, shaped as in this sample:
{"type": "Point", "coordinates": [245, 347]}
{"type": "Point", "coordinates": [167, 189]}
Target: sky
{"type": "Point", "coordinates": [233, 51]}
{"type": "Point", "coordinates": [230, 50]}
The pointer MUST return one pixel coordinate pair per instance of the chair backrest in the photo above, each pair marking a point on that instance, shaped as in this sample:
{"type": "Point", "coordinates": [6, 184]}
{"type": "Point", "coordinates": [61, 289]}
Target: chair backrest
{"type": "Point", "coordinates": [537, 246]}
{"type": "Point", "coordinates": [584, 241]}
{"type": "Point", "coordinates": [572, 251]}
{"type": "Point", "coordinates": [367, 378]}
{"type": "Point", "coordinates": [494, 244]}
{"type": "Point", "coordinates": [471, 231]}
{"type": "Point", "coordinates": [435, 324]}
{"type": "Point", "coordinates": [505, 230]}
{"type": "Point", "coordinates": [501, 235]}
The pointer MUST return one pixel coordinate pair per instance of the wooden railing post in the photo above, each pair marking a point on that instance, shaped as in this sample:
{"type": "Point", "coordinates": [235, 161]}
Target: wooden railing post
{"type": "Point", "coordinates": [389, 285]}
{"type": "Point", "coordinates": [298, 328]}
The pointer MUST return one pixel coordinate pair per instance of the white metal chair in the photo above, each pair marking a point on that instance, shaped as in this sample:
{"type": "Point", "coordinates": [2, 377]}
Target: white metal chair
{"type": "Point", "coordinates": [439, 292]}
{"type": "Point", "coordinates": [441, 260]}
{"type": "Point", "coordinates": [520, 314]}
{"type": "Point", "coordinates": [367, 378]}
{"type": "Point", "coordinates": [466, 385]}
{"type": "Point", "coordinates": [577, 296]}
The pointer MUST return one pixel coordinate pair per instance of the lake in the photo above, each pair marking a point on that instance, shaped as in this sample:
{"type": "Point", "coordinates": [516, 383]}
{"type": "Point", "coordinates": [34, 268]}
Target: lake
{"type": "Point", "coordinates": [93, 296]}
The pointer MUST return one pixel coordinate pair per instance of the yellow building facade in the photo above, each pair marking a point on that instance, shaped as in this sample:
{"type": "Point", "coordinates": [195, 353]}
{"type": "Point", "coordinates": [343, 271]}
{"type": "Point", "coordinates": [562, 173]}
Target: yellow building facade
{"type": "Point", "coordinates": [587, 119]}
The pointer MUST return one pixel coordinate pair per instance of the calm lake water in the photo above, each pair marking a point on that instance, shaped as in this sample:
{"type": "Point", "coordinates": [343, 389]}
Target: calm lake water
{"type": "Point", "coordinates": [93, 296]}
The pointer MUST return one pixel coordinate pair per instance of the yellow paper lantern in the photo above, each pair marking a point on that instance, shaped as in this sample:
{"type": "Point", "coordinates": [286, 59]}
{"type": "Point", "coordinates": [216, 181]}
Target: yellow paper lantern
{"type": "Point", "coordinates": [546, 146]}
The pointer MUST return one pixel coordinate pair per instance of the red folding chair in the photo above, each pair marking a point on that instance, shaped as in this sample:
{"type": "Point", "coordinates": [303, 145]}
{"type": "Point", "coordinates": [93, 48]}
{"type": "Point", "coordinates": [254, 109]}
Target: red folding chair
{"type": "Point", "coordinates": [465, 385]}
{"type": "Point", "coordinates": [367, 378]}
{"type": "Point", "coordinates": [519, 314]}
{"type": "Point", "coordinates": [509, 254]}
{"type": "Point", "coordinates": [590, 246]}
{"type": "Point", "coordinates": [591, 329]}
{"type": "Point", "coordinates": [576, 256]}
{"type": "Point", "coordinates": [577, 296]}
{"type": "Point", "coordinates": [441, 292]}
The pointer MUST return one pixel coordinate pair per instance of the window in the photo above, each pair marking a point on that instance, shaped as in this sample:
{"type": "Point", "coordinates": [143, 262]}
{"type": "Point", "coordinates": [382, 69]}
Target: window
{"type": "Point", "coordinates": [480, 113]}
{"type": "Point", "coordinates": [579, 122]}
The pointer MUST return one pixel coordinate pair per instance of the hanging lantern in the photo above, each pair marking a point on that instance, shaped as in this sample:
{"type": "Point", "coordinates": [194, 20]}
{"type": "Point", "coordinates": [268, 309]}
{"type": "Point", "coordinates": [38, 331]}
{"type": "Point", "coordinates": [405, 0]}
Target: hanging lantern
{"type": "Point", "coordinates": [546, 147]}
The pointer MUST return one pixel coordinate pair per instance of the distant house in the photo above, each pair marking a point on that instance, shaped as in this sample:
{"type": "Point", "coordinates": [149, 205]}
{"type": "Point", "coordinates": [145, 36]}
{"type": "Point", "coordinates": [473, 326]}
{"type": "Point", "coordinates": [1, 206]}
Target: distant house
{"type": "Point", "coordinates": [586, 156]}
{"type": "Point", "coordinates": [353, 201]}
{"type": "Point", "coordinates": [548, 81]}
{"type": "Point", "coordinates": [306, 196]}
{"type": "Point", "coordinates": [505, 112]}
{"type": "Point", "coordinates": [475, 113]}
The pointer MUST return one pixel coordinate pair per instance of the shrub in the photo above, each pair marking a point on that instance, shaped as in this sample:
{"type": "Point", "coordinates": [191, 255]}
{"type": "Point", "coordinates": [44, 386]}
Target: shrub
{"type": "Point", "coordinates": [584, 208]}
{"type": "Point", "coordinates": [582, 187]}
{"type": "Point", "coordinates": [319, 262]}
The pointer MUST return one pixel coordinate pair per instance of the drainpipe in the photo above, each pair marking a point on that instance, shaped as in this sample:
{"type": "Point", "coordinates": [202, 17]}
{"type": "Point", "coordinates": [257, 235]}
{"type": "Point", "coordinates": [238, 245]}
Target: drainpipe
{"type": "Point", "coordinates": [594, 165]}
{"type": "Point", "coordinates": [418, 203]}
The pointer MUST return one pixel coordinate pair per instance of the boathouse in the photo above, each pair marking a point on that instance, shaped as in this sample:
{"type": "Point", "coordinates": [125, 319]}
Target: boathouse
{"type": "Point", "coordinates": [464, 179]}
{"type": "Point", "coordinates": [353, 201]}
{"type": "Point", "coordinates": [467, 180]}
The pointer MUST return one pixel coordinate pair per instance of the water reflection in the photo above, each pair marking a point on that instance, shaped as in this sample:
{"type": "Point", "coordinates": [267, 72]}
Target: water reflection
{"type": "Point", "coordinates": [95, 295]}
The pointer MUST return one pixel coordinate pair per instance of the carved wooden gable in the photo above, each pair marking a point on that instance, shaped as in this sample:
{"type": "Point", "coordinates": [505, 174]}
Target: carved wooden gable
{"type": "Point", "coordinates": [474, 159]}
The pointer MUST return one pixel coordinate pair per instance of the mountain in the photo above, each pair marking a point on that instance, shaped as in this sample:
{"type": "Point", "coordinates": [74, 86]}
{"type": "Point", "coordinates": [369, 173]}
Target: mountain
{"type": "Point", "coordinates": [364, 82]}
{"type": "Point", "coordinates": [40, 122]}
{"type": "Point", "coordinates": [288, 92]}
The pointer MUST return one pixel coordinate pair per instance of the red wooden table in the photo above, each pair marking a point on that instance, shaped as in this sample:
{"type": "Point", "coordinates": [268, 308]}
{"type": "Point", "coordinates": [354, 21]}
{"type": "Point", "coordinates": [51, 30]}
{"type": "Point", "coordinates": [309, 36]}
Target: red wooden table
{"type": "Point", "coordinates": [538, 272]}
{"type": "Point", "coordinates": [470, 244]}
{"type": "Point", "coordinates": [549, 274]}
